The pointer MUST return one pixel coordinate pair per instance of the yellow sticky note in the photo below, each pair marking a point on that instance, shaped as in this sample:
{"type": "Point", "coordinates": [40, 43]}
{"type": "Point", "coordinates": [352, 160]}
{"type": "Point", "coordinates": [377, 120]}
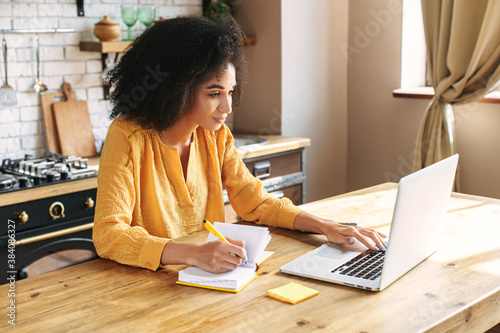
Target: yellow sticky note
{"type": "Point", "coordinates": [292, 293]}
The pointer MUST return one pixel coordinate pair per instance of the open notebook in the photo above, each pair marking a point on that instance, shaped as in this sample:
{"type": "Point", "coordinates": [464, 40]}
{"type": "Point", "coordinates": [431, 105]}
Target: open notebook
{"type": "Point", "coordinates": [256, 240]}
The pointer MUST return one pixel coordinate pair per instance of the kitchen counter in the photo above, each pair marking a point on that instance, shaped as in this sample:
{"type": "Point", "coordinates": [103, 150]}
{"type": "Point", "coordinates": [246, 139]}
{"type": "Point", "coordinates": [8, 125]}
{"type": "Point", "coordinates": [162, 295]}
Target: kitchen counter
{"type": "Point", "coordinates": [276, 144]}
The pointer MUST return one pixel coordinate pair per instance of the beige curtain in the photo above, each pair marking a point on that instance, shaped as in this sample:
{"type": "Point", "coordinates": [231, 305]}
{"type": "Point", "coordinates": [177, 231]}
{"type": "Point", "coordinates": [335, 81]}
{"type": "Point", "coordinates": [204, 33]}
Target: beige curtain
{"type": "Point", "coordinates": [463, 54]}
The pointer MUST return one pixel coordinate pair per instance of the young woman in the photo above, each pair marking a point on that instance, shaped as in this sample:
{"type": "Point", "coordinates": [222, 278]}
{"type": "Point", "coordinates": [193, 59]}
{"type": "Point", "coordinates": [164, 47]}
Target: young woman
{"type": "Point", "coordinates": [168, 153]}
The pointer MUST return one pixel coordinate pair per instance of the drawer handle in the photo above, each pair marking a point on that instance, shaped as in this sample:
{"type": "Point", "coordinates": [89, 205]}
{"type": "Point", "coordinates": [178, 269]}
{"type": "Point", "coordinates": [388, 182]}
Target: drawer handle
{"type": "Point", "coordinates": [262, 169]}
{"type": "Point", "coordinates": [56, 210]}
{"type": "Point", "coordinates": [54, 234]}
{"type": "Point", "coordinates": [278, 194]}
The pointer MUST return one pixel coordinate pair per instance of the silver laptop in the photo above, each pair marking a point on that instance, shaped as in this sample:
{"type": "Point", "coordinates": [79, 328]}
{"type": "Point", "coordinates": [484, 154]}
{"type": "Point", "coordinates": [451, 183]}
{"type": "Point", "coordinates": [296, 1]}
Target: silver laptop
{"type": "Point", "coordinates": [416, 228]}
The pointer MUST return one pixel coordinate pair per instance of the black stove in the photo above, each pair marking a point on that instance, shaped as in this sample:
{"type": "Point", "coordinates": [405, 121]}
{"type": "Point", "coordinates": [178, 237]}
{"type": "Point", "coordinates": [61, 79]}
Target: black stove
{"type": "Point", "coordinates": [44, 222]}
{"type": "Point", "coordinates": [28, 172]}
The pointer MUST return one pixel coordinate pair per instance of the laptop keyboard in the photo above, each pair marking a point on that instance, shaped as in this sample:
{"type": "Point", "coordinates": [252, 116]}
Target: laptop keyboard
{"type": "Point", "coordinates": [367, 265]}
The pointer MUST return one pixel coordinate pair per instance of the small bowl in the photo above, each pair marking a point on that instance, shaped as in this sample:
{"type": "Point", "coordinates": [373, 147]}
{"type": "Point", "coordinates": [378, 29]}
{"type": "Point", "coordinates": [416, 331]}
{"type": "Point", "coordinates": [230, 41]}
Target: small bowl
{"type": "Point", "coordinates": [107, 30]}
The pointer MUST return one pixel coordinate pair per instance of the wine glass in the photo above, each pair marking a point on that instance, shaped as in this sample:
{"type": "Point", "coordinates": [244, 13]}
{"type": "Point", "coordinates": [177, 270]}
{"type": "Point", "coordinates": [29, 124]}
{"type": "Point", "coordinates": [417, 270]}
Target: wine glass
{"type": "Point", "coordinates": [147, 15]}
{"type": "Point", "coordinates": [129, 17]}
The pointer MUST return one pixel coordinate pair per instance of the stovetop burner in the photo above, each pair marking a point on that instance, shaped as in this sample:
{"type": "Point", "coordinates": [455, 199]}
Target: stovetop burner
{"type": "Point", "coordinates": [27, 172]}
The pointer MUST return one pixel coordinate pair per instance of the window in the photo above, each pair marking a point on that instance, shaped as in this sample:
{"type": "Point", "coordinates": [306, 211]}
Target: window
{"type": "Point", "coordinates": [413, 58]}
{"type": "Point", "coordinates": [414, 74]}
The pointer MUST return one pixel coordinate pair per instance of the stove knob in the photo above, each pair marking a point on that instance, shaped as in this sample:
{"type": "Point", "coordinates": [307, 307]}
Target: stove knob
{"type": "Point", "coordinates": [89, 203]}
{"type": "Point", "coordinates": [50, 177]}
{"type": "Point", "coordinates": [37, 180]}
{"type": "Point", "coordinates": [23, 181]}
{"type": "Point", "coordinates": [22, 217]}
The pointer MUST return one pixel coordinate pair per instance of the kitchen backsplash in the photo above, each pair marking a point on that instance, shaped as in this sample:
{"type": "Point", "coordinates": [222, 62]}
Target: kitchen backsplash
{"type": "Point", "coordinates": [21, 126]}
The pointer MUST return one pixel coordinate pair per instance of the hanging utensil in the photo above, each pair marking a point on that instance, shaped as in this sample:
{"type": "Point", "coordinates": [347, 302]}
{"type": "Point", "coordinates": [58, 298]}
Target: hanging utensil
{"type": "Point", "coordinates": [38, 86]}
{"type": "Point", "coordinates": [110, 63]}
{"type": "Point", "coordinates": [8, 95]}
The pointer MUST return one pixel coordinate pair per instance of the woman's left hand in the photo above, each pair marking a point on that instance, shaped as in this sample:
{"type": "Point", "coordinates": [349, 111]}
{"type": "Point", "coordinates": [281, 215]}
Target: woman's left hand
{"type": "Point", "coordinates": [341, 234]}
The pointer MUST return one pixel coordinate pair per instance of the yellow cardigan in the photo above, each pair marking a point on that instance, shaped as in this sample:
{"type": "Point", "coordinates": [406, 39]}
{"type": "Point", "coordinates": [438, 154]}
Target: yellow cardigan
{"type": "Point", "coordinates": [143, 200]}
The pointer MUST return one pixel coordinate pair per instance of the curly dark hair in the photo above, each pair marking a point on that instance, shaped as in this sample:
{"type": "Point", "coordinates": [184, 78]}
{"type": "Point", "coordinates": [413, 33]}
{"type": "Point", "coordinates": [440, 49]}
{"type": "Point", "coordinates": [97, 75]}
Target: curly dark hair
{"type": "Point", "coordinates": [154, 81]}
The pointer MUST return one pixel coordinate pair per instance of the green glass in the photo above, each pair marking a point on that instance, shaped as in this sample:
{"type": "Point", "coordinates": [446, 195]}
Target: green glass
{"type": "Point", "coordinates": [129, 17]}
{"type": "Point", "coordinates": [147, 15]}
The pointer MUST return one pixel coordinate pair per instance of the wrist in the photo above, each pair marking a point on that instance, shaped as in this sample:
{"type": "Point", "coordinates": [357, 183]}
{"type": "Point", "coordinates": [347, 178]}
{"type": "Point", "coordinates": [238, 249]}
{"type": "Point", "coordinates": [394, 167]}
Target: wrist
{"type": "Point", "coordinates": [310, 223]}
{"type": "Point", "coordinates": [178, 253]}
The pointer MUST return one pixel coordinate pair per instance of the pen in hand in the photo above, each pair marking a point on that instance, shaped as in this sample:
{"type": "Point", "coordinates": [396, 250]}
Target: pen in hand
{"type": "Point", "coordinates": [210, 227]}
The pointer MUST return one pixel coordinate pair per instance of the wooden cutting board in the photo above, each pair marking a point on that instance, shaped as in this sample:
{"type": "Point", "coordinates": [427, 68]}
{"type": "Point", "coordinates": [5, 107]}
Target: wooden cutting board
{"type": "Point", "coordinates": [49, 123]}
{"type": "Point", "coordinates": [74, 129]}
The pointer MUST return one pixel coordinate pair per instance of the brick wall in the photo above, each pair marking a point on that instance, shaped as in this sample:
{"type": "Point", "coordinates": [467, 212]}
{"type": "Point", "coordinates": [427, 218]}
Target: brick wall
{"type": "Point", "coordinates": [21, 126]}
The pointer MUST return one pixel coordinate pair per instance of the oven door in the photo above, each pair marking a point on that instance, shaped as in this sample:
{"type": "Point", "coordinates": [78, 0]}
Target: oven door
{"type": "Point", "coordinates": [28, 248]}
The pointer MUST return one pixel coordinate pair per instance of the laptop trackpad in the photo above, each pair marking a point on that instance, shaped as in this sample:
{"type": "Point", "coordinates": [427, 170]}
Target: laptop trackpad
{"type": "Point", "coordinates": [338, 252]}
{"type": "Point", "coordinates": [320, 262]}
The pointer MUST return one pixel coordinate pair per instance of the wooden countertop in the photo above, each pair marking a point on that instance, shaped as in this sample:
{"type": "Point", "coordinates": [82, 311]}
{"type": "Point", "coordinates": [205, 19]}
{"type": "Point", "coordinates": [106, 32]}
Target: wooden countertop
{"type": "Point", "coordinates": [277, 144]}
{"type": "Point", "coordinates": [48, 191]}
{"type": "Point", "coordinates": [456, 289]}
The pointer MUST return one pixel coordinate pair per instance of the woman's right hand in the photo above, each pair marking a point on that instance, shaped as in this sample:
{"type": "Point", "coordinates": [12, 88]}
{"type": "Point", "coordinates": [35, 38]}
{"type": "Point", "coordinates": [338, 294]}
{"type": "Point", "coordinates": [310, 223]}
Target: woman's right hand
{"type": "Point", "coordinates": [214, 257]}
{"type": "Point", "coordinates": [219, 256]}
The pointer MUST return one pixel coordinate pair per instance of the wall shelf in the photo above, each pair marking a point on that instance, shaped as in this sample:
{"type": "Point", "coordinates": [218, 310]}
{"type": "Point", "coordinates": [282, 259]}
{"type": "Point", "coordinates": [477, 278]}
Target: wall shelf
{"type": "Point", "coordinates": [105, 47]}
{"type": "Point", "coordinates": [249, 40]}
{"type": "Point", "coordinates": [120, 46]}
{"type": "Point", "coordinates": [35, 31]}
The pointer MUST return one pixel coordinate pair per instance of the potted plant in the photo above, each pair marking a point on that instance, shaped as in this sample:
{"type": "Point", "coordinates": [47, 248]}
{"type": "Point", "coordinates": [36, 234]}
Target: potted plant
{"type": "Point", "coordinates": [216, 9]}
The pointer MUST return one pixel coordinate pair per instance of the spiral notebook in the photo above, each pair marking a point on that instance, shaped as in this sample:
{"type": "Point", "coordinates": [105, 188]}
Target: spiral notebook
{"type": "Point", "coordinates": [256, 240]}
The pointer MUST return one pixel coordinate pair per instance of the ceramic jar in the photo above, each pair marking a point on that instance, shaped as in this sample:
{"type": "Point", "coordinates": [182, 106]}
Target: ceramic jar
{"type": "Point", "coordinates": [107, 30]}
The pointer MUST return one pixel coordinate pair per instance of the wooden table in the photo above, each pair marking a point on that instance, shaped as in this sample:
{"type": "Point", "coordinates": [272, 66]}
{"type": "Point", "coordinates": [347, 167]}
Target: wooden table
{"type": "Point", "coordinates": [457, 288]}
